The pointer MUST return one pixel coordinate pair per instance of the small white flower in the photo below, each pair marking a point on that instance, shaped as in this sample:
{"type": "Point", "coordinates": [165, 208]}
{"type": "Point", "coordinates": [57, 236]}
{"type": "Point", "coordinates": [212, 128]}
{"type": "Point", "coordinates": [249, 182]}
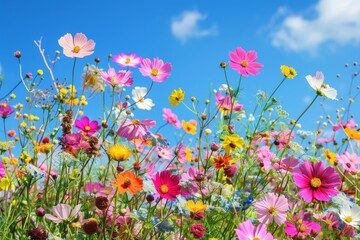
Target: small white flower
{"type": "Point", "coordinates": [317, 83]}
{"type": "Point", "coordinates": [138, 95]}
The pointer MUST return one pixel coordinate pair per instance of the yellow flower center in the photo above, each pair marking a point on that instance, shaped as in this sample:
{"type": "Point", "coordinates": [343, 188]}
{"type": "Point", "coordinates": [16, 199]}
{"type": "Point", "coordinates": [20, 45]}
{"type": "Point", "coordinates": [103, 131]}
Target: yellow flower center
{"type": "Point", "coordinates": [348, 219]}
{"type": "Point", "coordinates": [302, 228]}
{"type": "Point", "coordinates": [76, 49]}
{"type": "Point", "coordinates": [256, 238]}
{"type": "Point", "coordinates": [127, 60]}
{"type": "Point", "coordinates": [87, 128]}
{"type": "Point", "coordinates": [141, 99]}
{"type": "Point", "coordinates": [154, 72]}
{"type": "Point", "coordinates": [244, 63]}
{"type": "Point", "coordinates": [272, 211]}
{"type": "Point", "coordinates": [164, 188]}
{"type": "Point", "coordinates": [135, 122]}
{"type": "Point", "coordinates": [315, 182]}
{"type": "Point", "coordinates": [4, 104]}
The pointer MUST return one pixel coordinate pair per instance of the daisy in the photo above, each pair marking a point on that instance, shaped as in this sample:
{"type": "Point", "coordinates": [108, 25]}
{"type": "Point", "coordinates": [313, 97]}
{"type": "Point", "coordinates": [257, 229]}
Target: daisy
{"type": "Point", "coordinates": [247, 231]}
{"type": "Point", "coordinates": [317, 83]}
{"type": "Point", "coordinates": [132, 129]}
{"type": "Point", "coordinates": [87, 127]}
{"type": "Point", "coordinates": [350, 214]}
{"type": "Point", "coordinates": [272, 208]}
{"type": "Point", "coordinates": [125, 60]}
{"type": "Point", "coordinates": [119, 78]}
{"type": "Point", "coordinates": [77, 47]}
{"type": "Point", "coordinates": [167, 185]}
{"type": "Point", "coordinates": [171, 117]}
{"type": "Point", "coordinates": [244, 62]}
{"type": "Point", "coordinates": [138, 95]}
{"type": "Point", "coordinates": [316, 182]}
{"type": "Point", "coordinates": [128, 182]}
{"type": "Point", "coordinates": [156, 69]}
{"type": "Point", "coordinates": [232, 142]}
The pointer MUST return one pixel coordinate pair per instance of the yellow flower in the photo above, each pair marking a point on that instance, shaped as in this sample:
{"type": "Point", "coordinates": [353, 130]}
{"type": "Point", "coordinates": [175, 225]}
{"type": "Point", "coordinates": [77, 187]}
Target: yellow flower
{"type": "Point", "coordinates": [352, 133]}
{"type": "Point", "coordinates": [63, 91]}
{"type": "Point", "coordinates": [72, 101]}
{"type": "Point", "coordinates": [12, 96]}
{"type": "Point", "coordinates": [25, 157]}
{"type": "Point", "coordinates": [330, 156]}
{"type": "Point", "coordinates": [119, 152]}
{"type": "Point", "coordinates": [188, 154]}
{"type": "Point", "coordinates": [232, 142]}
{"type": "Point", "coordinates": [23, 124]}
{"type": "Point", "coordinates": [176, 97]}
{"type": "Point", "coordinates": [197, 207]}
{"type": "Point", "coordinates": [14, 162]}
{"type": "Point", "coordinates": [288, 72]}
{"type": "Point", "coordinates": [6, 184]}
{"type": "Point", "coordinates": [40, 72]}
{"type": "Point", "coordinates": [189, 127]}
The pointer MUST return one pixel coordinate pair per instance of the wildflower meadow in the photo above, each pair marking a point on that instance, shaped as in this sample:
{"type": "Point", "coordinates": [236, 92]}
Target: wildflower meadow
{"type": "Point", "coordinates": [82, 156]}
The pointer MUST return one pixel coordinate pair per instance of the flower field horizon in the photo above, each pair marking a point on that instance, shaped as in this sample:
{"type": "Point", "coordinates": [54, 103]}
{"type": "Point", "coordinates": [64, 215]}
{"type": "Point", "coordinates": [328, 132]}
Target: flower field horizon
{"type": "Point", "coordinates": [84, 157]}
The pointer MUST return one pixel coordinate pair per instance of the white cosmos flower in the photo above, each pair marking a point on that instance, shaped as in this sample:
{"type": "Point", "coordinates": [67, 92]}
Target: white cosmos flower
{"type": "Point", "coordinates": [138, 95]}
{"type": "Point", "coordinates": [350, 215]}
{"type": "Point", "coordinates": [317, 83]}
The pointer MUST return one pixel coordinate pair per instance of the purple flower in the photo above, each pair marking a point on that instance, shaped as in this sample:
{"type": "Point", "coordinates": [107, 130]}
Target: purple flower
{"type": "Point", "coordinates": [87, 127]}
{"type": "Point", "coordinates": [5, 110]}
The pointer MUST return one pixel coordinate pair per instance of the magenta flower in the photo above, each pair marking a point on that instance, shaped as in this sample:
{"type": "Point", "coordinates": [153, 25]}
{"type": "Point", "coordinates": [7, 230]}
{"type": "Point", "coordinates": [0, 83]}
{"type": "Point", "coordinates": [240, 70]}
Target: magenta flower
{"type": "Point", "coordinates": [5, 110]}
{"type": "Point", "coordinates": [155, 69]}
{"type": "Point", "coordinates": [349, 124]}
{"type": "Point", "coordinates": [224, 104]}
{"type": "Point", "coordinates": [43, 167]}
{"type": "Point", "coordinates": [171, 117]}
{"type": "Point", "coordinates": [78, 47]}
{"type": "Point", "coordinates": [133, 129]}
{"type": "Point", "coordinates": [125, 60]}
{"type": "Point", "coordinates": [301, 228]}
{"type": "Point", "coordinates": [316, 182]}
{"type": "Point", "coordinates": [87, 127]}
{"type": "Point", "coordinates": [93, 187]}
{"type": "Point", "coordinates": [272, 208]}
{"type": "Point", "coordinates": [119, 78]}
{"type": "Point", "coordinates": [247, 231]}
{"type": "Point", "coordinates": [286, 165]}
{"type": "Point", "coordinates": [167, 185]}
{"type": "Point", "coordinates": [63, 212]}
{"type": "Point", "coordinates": [2, 170]}
{"type": "Point", "coordinates": [197, 230]}
{"type": "Point", "coordinates": [244, 62]}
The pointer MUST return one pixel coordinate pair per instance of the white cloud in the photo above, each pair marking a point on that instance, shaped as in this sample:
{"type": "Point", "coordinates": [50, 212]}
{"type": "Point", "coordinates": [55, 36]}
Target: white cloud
{"type": "Point", "coordinates": [186, 26]}
{"type": "Point", "coordinates": [333, 22]}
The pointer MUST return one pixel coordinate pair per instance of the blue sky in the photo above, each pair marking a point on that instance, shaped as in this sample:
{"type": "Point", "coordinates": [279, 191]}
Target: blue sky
{"type": "Point", "coordinates": [195, 36]}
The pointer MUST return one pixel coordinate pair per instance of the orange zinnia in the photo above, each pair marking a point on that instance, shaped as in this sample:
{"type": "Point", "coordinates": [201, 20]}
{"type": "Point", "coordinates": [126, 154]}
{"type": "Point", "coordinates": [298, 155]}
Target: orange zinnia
{"type": "Point", "coordinates": [352, 133]}
{"type": "Point", "coordinates": [128, 182]}
{"type": "Point", "coordinates": [222, 161]}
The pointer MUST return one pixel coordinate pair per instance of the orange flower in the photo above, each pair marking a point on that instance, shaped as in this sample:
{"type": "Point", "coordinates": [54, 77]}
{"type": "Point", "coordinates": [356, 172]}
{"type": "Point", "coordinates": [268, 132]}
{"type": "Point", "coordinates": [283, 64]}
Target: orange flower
{"type": "Point", "coordinates": [128, 182]}
{"type": "Point", "coordinates": [352, 133]}
{"type": "Point", "coordinates": [222, 161]}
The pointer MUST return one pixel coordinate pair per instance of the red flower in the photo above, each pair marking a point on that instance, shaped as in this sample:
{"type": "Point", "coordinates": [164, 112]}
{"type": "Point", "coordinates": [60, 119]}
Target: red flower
{"type": "Point", "coordinates": [197, 230]}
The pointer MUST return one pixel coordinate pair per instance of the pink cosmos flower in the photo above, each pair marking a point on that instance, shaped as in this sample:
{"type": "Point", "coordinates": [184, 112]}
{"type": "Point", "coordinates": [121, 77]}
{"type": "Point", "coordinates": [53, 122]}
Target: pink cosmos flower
{"type": "Point", "coordinates": [286, 165]}
{"type": "Point", "coordinates": [181, 153]}
{"type": "Point", "coordinates": [349, 161]}
{"type": "Point", "coordinates": [43, 167]}
{"type": "Point", "coordinates": [167, 185]}
{"type": "Point", "coordinates": [155, 69]}
{"type": "Point", "coordinates": [325, 140]}
{"type": "Point", "coordinates": [301, 228]}
{"type": "Point", "coordinates": [5, 110]}
{"type": "Point", "coordinates": [244, 62]}
{"type": "Point", "coordinates": [316, 182]}
{"type": "Point", "coordinates": [133, 129]}
{"type": "Point", "coordinates": [119, 78]}
{"type": "Point", "coordinates": [87, 127]}
{"type": "Point", "coordinates": [265, 156]}
{"type": "Point", "coordinates": [78, 47]}
{"type": "Point", "coordinates": [247, 231]}
{"type": "Point", "coordinates": [329, 218]}
{"type": "Point", "coordinates": [281, 137]}
{"type": "Point", "coordinates": [171, 117]}
{"type": "Point", "coordinates": [349, 124]}
{"type": "Point", "coordinates": [272, 208]}
{"type": "Point", "coordinates": [224, 104]}
{"type": "Point", "coordinates": [125, 60]}
{"type": "Point", "coordinates": [63, 212]}
{"type": "Point", "coordinates": [164, 152]}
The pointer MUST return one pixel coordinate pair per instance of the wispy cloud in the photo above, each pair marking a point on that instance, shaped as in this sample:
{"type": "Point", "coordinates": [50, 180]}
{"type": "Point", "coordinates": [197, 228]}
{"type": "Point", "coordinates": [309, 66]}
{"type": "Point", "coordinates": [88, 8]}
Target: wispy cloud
{"type": "Point", "coordinates": [186, 26]}
{"type": "Point", "coordinates": [333, 22]}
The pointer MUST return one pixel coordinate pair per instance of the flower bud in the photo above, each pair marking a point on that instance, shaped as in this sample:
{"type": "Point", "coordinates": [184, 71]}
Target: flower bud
{"type": "Point", "coordinates": [40, 212]}
{"type": "Point", "coordinates": [90, 226]}
{"type": "Point", "coordinates": [17, 54]}
{"type": "Point", "coordinates": [101, 202]}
